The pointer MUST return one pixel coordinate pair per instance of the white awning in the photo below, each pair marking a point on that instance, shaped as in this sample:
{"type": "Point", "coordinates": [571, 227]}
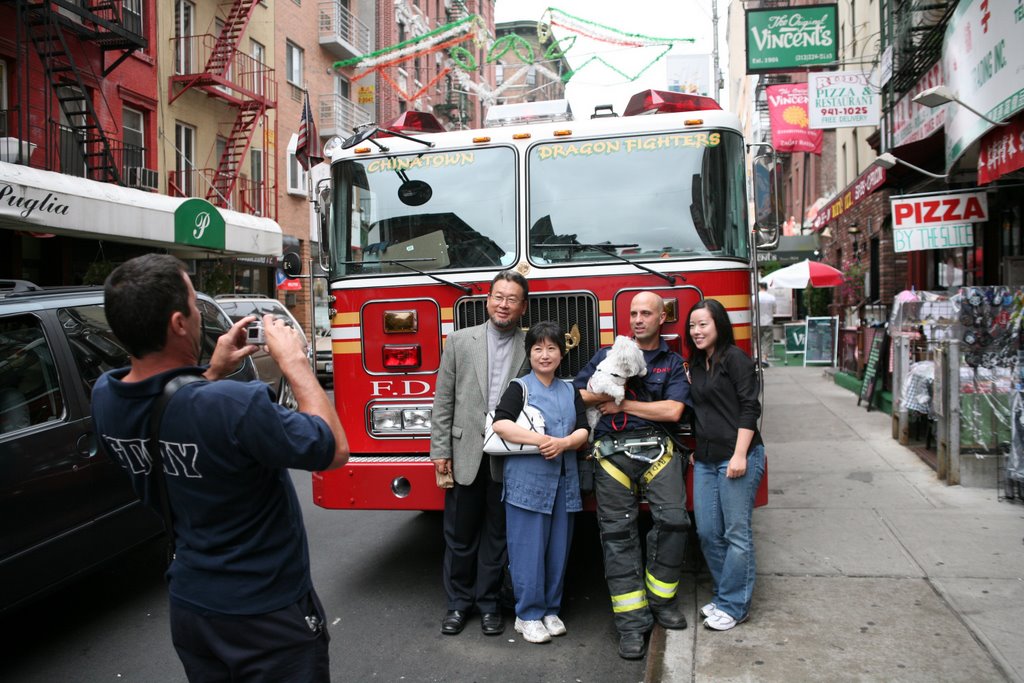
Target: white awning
{"type": "Point", "coordinates": [48, 202]}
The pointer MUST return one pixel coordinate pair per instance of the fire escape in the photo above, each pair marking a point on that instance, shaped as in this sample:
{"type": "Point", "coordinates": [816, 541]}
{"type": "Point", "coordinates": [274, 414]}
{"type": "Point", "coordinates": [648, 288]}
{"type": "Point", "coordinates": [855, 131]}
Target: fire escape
{"type": "Point", "coordinates": [915, 30]}
{"type": "Point", "coordinates": [248, 87]}
{"type": "Point", "coordinates": [57, 30]}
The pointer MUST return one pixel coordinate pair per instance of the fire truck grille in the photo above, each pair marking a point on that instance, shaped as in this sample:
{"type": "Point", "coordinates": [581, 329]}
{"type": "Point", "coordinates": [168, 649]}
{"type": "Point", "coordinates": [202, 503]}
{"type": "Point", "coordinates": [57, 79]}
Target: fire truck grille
{"type": "Point", "coordinates": [577, 313]}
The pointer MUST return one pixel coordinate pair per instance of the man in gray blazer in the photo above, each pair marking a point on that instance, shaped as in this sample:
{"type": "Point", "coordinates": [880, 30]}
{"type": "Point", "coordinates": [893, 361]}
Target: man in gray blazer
{"type": "Point", "coordinates": [476, 366]}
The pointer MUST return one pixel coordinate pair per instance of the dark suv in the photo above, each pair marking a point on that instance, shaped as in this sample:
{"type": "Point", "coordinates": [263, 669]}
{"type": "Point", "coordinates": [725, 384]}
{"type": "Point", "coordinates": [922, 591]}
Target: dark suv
{"type": "Point", "coordinates": [65, 508]}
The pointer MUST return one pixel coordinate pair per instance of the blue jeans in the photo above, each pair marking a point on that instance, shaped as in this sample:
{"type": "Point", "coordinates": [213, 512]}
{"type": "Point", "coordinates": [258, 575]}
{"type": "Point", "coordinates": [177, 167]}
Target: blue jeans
{"type": "Point", "coordinates": [724, 508]}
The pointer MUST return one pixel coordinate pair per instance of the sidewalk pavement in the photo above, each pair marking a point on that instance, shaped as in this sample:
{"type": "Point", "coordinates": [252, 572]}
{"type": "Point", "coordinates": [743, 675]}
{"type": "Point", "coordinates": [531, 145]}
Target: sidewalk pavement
{"type": "Point", "coordinates": [868, 567]}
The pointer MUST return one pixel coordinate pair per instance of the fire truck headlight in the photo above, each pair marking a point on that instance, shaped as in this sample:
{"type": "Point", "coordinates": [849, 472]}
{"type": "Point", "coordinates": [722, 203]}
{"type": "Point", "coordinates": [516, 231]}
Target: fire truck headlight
{"type": "Point", "coordinates": [416, 419]}
{"type": "Point", "coordinates": [386, 419]}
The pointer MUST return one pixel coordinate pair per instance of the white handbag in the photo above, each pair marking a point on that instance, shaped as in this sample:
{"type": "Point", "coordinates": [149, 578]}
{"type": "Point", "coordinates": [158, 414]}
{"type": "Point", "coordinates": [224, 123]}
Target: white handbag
{"type": "Point", "coordinates": [529, 418]}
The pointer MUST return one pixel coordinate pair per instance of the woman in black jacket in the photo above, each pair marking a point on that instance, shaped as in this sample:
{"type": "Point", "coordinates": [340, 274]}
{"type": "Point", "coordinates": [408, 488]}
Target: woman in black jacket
{"type": "Point", "coordinates": [728, 463]}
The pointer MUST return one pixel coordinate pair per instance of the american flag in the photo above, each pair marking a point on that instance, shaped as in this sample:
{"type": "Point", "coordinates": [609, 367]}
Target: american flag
{"type": "Point", "coordinates": [307, 150]}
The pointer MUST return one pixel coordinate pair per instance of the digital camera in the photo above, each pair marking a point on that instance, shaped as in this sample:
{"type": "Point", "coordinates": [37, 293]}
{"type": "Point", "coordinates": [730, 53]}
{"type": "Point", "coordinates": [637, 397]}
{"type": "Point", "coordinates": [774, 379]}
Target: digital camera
{"type": "Point", "coordinates": [254, 333]}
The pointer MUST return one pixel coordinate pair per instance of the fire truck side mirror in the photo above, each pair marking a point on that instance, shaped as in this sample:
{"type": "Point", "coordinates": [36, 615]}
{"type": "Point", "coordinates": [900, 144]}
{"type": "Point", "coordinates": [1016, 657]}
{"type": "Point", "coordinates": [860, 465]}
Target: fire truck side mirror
{"type": "Point", "coordinates": [291, 264]}
{"type": "Point", "coordinates": [766, 202]}
{"type": "Point", "coordinates": [323, 213]}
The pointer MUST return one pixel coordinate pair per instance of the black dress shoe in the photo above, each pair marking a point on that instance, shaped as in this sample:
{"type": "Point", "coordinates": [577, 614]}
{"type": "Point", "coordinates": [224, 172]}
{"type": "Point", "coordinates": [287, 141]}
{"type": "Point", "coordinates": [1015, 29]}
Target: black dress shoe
{"type": "Point", "coordinates": [492, 623]}
{"type": "Point", "coordinates": [453, 623]}
{"type": "Point", "coordinates": [669, 616]}
{"type": "Point", "coordinates": [632, 645]}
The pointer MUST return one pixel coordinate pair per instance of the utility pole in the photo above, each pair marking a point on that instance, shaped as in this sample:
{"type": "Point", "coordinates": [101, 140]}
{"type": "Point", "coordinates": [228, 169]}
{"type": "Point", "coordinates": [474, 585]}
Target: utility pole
{"type": "Point", "coordinates": [714, 51]}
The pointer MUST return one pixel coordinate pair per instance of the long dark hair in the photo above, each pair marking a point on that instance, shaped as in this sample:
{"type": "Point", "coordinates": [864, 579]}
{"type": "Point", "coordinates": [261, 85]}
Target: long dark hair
{"type": "Point", "coordinates": [723, 330]}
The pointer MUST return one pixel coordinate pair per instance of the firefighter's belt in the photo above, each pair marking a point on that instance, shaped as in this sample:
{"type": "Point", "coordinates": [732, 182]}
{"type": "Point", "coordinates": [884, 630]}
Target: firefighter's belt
{"type": "Point", "coordinates": [645, 445]}
{"type": "Point", "coordinates": [634, 447]}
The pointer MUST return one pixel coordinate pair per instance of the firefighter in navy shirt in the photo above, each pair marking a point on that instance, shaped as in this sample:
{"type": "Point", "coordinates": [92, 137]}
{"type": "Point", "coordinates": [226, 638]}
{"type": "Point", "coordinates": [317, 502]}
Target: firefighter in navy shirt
{"type": "Point", "coordinates": [636, 455]}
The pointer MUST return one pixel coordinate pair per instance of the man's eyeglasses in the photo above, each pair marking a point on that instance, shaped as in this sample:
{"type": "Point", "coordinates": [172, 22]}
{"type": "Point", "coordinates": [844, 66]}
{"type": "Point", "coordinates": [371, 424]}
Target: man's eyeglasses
{"type": "Point", "coordinates": [510, 300]}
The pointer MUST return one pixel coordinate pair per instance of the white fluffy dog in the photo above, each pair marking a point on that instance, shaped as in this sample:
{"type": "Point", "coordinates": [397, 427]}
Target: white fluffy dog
{"type": "Point", "coordinates": [624, 360]}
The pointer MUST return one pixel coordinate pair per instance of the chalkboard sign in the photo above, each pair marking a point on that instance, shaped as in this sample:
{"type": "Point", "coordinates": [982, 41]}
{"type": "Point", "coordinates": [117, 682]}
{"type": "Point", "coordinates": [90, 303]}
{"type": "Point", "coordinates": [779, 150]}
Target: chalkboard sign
{"type": "Point", "coordinates": [822, 339]}
{"type": "Point", "coordinates": [796, 334]}
{"type": "Point", "coordinates": [867, 387]}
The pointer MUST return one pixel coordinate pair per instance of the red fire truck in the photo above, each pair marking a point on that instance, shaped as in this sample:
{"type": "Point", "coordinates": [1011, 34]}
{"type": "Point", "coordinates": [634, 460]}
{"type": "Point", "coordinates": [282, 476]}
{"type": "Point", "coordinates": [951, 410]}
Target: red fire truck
{"type": "Point", "coordinates": [416, 221]}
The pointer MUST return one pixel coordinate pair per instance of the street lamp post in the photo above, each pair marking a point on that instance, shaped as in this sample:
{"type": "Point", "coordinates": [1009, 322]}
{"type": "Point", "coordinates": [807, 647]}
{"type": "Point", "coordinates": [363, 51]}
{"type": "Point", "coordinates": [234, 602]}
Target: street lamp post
{"type": "Point", "coordinates": [941, 94]}
{"type": "Point", "coordinates": [888, 161]}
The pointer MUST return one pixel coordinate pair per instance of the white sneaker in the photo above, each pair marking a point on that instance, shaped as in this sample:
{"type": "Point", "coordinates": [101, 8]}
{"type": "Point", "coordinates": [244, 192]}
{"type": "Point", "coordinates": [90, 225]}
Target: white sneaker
{"type": "Point", "coordinates": [708, 609]}
{"type": "Point", "coordinates": [533, 631]}
{"type": "Point", "coordinates": [720, 621]}
{"type": "Point", "coordinates": [554, 625]}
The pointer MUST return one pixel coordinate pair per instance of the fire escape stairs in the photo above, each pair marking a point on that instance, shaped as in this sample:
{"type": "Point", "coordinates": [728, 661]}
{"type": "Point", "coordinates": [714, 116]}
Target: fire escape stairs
{"type": "Point", "coordinates": [227, 42]}
{"type": "Point", "coordinates": [48, 38]}
{"type": "Point", "coordinates": [239, 140]}
{"type": "Point", "coordinates": [101, 22]}
{"type": "Point", "coordinates": [223, 51]}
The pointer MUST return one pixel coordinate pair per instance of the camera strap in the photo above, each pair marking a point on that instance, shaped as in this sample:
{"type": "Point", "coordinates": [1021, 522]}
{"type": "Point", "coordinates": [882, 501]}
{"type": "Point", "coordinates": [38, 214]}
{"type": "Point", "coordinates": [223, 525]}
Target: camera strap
{"type": "Point", "coordinates": [156, 456]}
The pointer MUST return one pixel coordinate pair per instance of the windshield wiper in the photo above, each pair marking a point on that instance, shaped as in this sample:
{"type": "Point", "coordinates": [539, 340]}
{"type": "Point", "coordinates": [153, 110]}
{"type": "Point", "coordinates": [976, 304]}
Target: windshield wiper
{"type": "Point", "coordinates": [404, 264]}
{"type": "Point", "coordinates": [606, 248]}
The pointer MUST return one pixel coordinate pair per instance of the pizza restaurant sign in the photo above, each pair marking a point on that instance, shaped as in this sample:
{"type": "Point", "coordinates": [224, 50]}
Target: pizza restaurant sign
{"type": "Point", "coordinates": [943, 221]}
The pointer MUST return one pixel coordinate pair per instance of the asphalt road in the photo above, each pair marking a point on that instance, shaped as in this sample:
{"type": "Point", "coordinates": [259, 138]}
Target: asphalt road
{"type": "Point", "coordinates": [379, 576]}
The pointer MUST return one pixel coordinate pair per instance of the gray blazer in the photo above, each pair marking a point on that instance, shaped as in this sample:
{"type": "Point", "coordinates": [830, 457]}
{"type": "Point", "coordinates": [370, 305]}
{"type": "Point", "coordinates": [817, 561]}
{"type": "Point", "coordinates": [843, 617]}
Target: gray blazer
{"type": "Point", "coordinates": [460, 401]}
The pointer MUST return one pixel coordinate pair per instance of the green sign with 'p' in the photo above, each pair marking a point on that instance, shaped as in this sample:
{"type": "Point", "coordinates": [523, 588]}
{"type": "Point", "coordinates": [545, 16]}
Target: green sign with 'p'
{"type": "Point", "coordinates": [198, 223]}
{"type": "Point", "coordinates": [791, 38]}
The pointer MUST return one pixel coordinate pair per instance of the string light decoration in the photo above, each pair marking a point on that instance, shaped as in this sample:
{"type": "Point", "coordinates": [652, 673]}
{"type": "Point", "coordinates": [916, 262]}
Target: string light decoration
{"type": "Point", "coordinates": [462, 62]}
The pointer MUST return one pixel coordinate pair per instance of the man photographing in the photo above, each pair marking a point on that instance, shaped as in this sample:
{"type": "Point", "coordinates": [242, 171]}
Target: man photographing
{"type": "Point", "coordinates": [242, 604]}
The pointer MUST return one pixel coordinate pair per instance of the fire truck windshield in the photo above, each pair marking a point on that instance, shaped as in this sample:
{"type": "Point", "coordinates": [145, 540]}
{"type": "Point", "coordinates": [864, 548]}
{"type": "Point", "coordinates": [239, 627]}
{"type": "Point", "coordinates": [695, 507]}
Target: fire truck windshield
{"type": "Point", "coordinates": [664, 195]}
{"type": "Point", "coordinates": [432, 210]}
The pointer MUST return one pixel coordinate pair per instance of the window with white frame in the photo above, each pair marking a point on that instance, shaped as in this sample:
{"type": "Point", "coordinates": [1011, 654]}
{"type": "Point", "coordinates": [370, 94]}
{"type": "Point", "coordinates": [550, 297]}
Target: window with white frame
{"type": "Point", "coordinates": [184, 28]}
{"type": "Point", "coordinates": [133, 135]}
{"type": "Point", "coordinates": [293, 63]}
{"type": "Point", "coordinates": [184, 159]}
{"type": "Point", "coordinates": [298, 178]}
{"type": "Point", "coordinates": [131, 16]}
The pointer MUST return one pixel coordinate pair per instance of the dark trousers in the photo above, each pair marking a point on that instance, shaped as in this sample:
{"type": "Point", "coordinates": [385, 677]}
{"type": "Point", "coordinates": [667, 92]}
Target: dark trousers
{"type": "Point", "coordinates": [276, 647]}
{"type": "Point", "coordinates": [635, 585]}
{"type": "Point", "coordinates": [474, 535]}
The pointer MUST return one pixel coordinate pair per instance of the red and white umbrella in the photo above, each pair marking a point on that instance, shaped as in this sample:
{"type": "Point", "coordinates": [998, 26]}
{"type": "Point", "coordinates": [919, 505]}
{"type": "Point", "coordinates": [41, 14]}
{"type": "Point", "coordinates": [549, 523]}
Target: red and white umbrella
{"type": "Point", "coordinates": [800, 275]}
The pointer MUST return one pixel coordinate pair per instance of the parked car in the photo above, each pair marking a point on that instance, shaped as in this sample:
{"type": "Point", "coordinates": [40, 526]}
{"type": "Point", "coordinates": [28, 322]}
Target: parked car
{"type": "Point", "coordinates": [65, 507]}
{"type": "Point", "coordinates": [237, 306]}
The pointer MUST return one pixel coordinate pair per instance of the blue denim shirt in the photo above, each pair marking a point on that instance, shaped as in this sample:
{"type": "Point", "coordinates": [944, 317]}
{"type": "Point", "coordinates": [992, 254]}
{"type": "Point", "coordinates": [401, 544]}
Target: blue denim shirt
{"type": "Point", "coordinates": [531, 482]}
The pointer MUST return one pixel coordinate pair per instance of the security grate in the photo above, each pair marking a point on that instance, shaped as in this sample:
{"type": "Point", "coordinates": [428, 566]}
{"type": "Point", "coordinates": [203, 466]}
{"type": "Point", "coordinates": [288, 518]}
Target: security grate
{"type": "Point", "coordinates": [571, 311]}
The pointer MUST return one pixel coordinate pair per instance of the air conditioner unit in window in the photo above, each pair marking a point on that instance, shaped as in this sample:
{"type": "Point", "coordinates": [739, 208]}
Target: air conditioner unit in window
{"type": "Point", "coordinates": [141, 178]}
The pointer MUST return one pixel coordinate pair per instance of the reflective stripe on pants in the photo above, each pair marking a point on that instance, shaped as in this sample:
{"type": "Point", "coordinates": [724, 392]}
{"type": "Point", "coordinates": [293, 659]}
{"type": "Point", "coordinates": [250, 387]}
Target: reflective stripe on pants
{"type": "Point", "coordinates": [628, 574]}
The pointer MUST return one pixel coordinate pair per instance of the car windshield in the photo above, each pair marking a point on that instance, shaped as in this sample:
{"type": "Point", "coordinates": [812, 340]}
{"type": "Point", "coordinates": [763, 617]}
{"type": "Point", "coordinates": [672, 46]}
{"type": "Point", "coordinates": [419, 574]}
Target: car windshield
{"type": "Point", "coordinates": [659, 196]}
{"type": "Point", "coordinates": [429, 210]}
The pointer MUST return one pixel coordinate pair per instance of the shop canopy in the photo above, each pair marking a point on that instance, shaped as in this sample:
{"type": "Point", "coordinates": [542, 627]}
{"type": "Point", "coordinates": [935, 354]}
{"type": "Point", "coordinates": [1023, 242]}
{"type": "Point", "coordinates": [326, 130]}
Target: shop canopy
{"type": "Point", "coordinates": [45, 202]}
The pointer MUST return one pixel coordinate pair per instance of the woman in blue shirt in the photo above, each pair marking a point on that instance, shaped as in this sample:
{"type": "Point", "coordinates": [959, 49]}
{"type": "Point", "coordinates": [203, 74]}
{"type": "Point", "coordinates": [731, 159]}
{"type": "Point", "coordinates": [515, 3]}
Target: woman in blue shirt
{"type": "Point", "coordinates": [728, 462]}
{"type": "Point", "coordinates": [541, 491]}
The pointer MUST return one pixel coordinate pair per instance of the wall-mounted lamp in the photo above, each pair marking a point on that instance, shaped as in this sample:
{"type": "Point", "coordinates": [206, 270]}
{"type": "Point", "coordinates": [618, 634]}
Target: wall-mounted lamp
{"type": "Point", "coordinates": [941, 94]}
{"type": "Point", "coordinates": [853, 228]}
{"type": "Point", "coordinates": [888, 161]}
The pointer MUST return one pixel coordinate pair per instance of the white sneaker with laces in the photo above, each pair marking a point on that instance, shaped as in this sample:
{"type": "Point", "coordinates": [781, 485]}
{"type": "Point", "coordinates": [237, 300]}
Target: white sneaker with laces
{"type": "Point", "coordinates": [720, 621]}
{"type": "Point", "coordinates": [554, 625]}
{"type": "Point", "coordinates": [708, 609]}
{"type": "Point", "coordinates": [533, 631]}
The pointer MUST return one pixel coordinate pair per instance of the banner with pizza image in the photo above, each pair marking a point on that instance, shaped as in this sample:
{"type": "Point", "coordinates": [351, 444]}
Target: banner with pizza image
{"type": "Point", "coordinates": [787, 112]}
